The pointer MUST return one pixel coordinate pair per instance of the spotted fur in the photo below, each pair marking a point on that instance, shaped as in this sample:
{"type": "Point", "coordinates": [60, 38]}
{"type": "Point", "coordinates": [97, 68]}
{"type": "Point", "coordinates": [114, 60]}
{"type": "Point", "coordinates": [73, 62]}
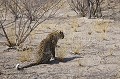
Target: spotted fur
{"type": "Point", "coordinates": [46, 48]}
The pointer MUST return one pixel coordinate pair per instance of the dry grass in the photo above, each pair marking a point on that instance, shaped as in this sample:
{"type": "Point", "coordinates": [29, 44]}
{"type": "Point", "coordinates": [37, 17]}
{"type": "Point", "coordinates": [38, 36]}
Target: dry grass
{"type": "Point", "coordinates": [11, 35]}
{"type": "Point", "coordinates": [45, 26]}
{"type": "Point", "coordinates": [61, 4]}
{"type": "Point", "coordinates": [103, 36]}
{"type": "Point", "coordinates": [110, 51]}
{"type": "Point", "coordinates": [77, 48]}
{"type": "Point", "coordinates": [31, 37]}
{"type": "Point", "coordinates": [25, 52]}
{"type": "Point", "coordinates": [101, 27]}
{"type": "Point", "coordinates": [76, 45]}
{"type": "Point", "coordinates": [61, 53]}
{"type": "Point", "coordinates": [74, 24]}
{"type": "Point", "coordinates": [25, 55]}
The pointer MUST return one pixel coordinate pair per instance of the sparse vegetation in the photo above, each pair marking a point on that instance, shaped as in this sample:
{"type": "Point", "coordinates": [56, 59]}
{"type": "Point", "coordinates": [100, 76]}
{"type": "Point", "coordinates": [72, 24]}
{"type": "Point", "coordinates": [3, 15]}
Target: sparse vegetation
{"type": "Point", "coordinates": [95, 8]}
{"type": "Point", "coordinates": [92, 8]}
{"type": "Point", "coordinates": [11, 35]}
{"type": "Point", "coordinates": [77, 48]}
{"type": "Point", "coordinates": [102, 28]}
{"type": "Point", "coordinates": [24, 16]}
{"type": "Point", "coordinates": [25, 55]}
{"type": "Point", "coordinates": [90, 48]}
{"type": "Point", "coordinates": [110, 51]}
{"type": "Point", "coordinates": [61, 53]}
{"type": "Point", "coordinates": [74, 24]}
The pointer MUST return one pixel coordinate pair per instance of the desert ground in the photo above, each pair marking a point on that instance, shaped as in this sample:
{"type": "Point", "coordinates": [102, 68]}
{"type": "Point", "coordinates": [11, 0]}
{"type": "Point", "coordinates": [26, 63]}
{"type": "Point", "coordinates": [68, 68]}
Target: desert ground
{"type": "Point", "coordinates": [90, 50]}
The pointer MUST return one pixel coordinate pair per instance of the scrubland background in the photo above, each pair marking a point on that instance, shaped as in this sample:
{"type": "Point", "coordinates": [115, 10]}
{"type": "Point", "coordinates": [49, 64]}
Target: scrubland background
{"type": "Point", "coordinates": [90, 49]}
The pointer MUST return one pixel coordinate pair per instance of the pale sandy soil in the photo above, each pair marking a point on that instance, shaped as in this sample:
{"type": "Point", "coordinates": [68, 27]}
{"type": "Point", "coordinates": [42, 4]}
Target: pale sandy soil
{"type": "Point", "coordinates": [91, 50]}
{"type": "Point", "coordinates": [96, 43]}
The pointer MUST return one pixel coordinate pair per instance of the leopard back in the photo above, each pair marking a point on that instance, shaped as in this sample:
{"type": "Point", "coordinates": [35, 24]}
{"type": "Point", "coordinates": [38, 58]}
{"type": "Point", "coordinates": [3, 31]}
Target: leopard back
{"type": "Point", "coordinates": [44, 50]}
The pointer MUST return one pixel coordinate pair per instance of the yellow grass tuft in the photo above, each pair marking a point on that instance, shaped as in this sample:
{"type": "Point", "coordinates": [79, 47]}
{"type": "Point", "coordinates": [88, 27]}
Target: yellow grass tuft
{"type": "Point", "coordinates": [61, 53]}
{"type": "Point", "coordinates": [103, 36]}
{"type": "Point", "coordinates": [25, 55]}
{"type": "Point", "coordinates": [110, 51]}
{"type": "Point", "coordinates": [76, 49]}
{"type": "Point", "coordinates": [74, 24]}
{"type": "Point", "coordinates": [61, 4]}
{"type": "Point", "coordinates": [11, 35]}
{"type": "Point", "coordinates": [101, 27]}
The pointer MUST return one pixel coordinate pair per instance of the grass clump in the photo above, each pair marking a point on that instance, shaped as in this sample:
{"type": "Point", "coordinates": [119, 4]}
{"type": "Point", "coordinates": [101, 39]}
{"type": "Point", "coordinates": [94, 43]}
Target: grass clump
{"type": "Point", "coordinates": [11, 36]}
{"type": "Point", "coordinates": [101, 27]}
{"type": "Point", "coordinates": [25, 55]}
{"type": "Point", "coordinates": [74, 24]}
{"type": "Point", "coordinates": [61, 53]}
{"type": "Point", "coordinates": [76, 49]}
{"type": "Point", "coordinates": [77, 45]}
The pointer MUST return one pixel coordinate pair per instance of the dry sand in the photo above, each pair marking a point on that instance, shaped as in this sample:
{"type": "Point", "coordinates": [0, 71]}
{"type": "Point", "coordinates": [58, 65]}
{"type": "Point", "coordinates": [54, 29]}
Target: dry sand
{"type": "Point", "coordinates": [90, 50]}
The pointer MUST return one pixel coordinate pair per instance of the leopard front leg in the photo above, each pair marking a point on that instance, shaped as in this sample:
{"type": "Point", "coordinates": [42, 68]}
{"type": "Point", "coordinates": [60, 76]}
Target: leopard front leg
{"type": "Point", "coordinates": [53, 51]}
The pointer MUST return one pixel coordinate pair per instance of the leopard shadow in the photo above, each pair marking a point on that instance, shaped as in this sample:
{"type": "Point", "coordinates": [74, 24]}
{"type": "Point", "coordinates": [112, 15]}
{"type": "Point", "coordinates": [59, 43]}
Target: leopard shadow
{"type": "Point", "coordinates": [64, 60]}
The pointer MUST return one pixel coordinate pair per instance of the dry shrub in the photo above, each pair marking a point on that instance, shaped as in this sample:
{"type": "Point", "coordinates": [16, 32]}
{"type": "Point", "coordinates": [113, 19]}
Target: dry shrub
{"type": "Point", "coordinates": [27, 45]}
{"type": "Point", "coordinates": [32, 37]}
{"type": "Point", "coordinates": [25, 16]}
{"type": "Point", "coordinates": [12, 37]}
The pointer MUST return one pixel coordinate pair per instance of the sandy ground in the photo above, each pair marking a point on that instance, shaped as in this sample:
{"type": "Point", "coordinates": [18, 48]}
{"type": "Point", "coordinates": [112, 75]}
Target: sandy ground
{"type": "Point", "coordinates": [90, 50]}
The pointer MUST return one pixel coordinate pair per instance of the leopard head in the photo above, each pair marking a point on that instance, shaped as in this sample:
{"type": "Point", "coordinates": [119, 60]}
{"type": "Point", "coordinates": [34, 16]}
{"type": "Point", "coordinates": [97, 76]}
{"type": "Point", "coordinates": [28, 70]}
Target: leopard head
{"type": "Point", "coordinates": [61, 35]}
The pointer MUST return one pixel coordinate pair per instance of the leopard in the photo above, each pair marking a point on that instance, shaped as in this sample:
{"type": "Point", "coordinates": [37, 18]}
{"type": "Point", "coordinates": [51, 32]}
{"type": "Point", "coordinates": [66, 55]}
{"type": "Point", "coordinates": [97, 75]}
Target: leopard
{"type": "Point", "coordinates": [56, 35]}
{"type": "Point", "coordinates": [46, 49]}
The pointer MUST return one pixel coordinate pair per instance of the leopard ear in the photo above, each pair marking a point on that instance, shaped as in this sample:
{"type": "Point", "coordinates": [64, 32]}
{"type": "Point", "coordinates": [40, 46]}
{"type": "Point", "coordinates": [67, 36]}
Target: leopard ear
{"type": "Point", "coordinates": [61, 32]}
